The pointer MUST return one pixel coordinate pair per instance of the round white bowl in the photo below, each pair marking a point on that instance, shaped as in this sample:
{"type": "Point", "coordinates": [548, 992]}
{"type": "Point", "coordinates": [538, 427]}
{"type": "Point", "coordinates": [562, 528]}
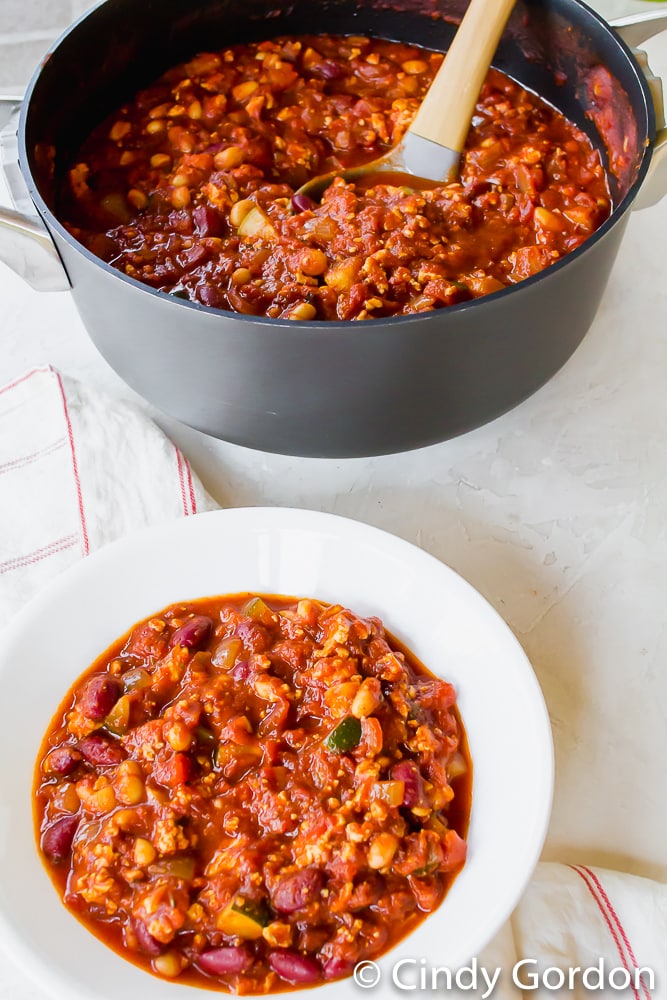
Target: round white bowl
{"type": "Point", "coordinates": [440, 617]}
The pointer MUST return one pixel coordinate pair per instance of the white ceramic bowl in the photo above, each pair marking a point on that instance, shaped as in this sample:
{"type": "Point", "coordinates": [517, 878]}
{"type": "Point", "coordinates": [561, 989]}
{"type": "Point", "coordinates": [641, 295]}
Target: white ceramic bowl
{"type": "Point", "coordinates": [302, 553]}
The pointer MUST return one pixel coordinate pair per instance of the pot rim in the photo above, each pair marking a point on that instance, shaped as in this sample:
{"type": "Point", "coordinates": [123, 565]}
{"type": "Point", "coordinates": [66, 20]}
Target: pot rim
{"type": "Point", "coordinates": [54, 224]}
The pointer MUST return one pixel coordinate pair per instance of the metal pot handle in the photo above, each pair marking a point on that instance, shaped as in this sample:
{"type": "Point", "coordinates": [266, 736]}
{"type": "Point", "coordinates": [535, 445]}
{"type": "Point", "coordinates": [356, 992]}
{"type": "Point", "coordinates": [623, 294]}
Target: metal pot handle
{"type": "Point", "coordinates": [25, 244]}
{"type": "Point", "coordinates": [635, 29]}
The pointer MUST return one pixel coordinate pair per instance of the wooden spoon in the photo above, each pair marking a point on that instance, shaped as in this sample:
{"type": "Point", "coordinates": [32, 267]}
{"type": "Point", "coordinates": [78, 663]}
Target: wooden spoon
{"type": "Point", "coordinates": [431, 148]}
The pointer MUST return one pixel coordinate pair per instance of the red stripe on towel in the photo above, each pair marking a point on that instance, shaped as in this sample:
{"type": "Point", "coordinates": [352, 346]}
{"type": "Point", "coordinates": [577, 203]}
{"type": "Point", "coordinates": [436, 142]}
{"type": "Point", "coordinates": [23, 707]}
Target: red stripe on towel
{"type": "Point", "coordinates": [34, 557]}
{"type": "Point", "coordinates": [75, 468]}
{"type": "Point", "coordinates": [18, 463]}
{"type": "Point", "coordinates": [191, 488]}
{"type": "Point", "coordinates": [615, 917]}
{"type": "Point", "coordinates": [612, 930]}
{"type": "Point", "coordinates": [181, 479]}
{"type": "Point", "coordinates": [24, 378]}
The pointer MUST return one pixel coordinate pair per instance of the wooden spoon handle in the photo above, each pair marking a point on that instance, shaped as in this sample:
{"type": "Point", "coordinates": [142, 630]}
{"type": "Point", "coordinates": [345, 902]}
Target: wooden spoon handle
{"type": "Point", "coordinates": [447, 109]}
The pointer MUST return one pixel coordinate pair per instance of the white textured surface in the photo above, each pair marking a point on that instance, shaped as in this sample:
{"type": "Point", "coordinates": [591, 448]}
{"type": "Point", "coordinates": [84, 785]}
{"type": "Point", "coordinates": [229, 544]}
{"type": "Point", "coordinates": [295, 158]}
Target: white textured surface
{"type": "Point", "coordinates": [27, 28]}
{"type": "Point", "coordinates": [556, 512]}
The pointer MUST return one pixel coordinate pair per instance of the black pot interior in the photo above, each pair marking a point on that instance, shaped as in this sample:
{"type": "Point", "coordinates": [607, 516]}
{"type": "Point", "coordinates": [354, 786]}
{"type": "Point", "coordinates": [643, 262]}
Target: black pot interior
{"type": "Point", "coordinates": [557, 48]}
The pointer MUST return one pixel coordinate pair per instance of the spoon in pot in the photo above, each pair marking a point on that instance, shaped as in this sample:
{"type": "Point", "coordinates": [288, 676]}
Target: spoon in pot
{"type": "Point", "coordinates": [431, 148]}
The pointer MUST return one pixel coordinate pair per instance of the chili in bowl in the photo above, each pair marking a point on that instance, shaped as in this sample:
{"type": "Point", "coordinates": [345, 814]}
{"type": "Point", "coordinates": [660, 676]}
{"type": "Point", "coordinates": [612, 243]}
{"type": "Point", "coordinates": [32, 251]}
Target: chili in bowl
{"type": "Point", "coordinates": [294, 875]}
{"type": "Point", "coordinates": [254, 792]}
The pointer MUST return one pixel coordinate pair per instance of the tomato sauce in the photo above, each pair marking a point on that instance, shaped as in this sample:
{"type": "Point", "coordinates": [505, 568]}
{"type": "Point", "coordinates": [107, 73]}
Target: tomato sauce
{"type": "Point", "coordinates": [251, 793]}
{"type": "Point", "coordinates": [192, 187]}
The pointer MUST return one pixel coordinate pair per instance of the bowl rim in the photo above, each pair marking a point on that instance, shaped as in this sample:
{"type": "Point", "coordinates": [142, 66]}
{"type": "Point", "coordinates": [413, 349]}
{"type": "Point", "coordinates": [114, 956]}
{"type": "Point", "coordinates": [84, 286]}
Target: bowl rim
{"type": "Point", "coordinates": [349, 327]}
{"type": "Point", "coordinates": [266, 521]}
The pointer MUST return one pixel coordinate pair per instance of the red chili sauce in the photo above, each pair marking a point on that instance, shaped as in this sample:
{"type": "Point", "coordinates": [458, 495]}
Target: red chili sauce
{"type": "Point", "coordinates": [190, 187]}
{"type": "Point", "coordinates": [252, 793]}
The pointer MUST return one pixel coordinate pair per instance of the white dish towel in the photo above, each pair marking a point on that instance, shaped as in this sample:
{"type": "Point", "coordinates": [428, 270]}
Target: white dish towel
{"type": "Point", "coordinates": [79, 469]}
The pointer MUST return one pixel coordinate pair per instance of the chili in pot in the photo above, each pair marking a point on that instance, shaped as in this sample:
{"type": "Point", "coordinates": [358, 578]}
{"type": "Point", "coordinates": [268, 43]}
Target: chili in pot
{"type": "Point", "coordinates": [190, 187]}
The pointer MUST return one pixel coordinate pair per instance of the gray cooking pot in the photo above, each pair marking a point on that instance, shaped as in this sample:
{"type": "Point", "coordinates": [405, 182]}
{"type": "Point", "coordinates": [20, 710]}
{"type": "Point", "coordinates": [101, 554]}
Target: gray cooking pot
{"type": "Point", "coordinates": [328, 388]}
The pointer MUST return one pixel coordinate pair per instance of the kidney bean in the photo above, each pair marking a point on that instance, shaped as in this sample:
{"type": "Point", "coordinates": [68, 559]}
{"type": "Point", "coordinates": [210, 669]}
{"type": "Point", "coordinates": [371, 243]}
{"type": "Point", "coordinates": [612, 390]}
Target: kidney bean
{"type": "Point", "coordinates": [336, 968]}
{"type": "Point", "coordinates": [302, 203]}
{"type": "Point", "coordinates": [99, 696]}
{"type": "Point", "coordinates": [62, 761]}
{"type": "Point", "coordinates": [241, 671]}
{"type": "Point", "coordinates": [207, 221]}
{"type": "Point", "coordinates": [210, 296]}
{"type": "Point", "coordinates": [196, 254]}
{"type": "Point", "coordinates": [57, 838]}
{"type": "Point", "coordinates": [295, 891]}
{"type": "Point", "coordinates": [410, 775]}
{"type": "Point", "coordinates": [293, 967]}
{"type": "Point", "coordinates": [194, 633]}
{"type": "Point", "coordinates": [100, 752]}
{"type": "Point", "coordinates": [147, 943]}
{"type": "Point", "coordinates": [225, 961]}
{"type": "Point", "coordinates": [329, 70]}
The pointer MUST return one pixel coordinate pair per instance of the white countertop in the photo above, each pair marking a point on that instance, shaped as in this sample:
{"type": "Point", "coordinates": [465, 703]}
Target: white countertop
{"type": "Point", "coordinates": [556, 512]}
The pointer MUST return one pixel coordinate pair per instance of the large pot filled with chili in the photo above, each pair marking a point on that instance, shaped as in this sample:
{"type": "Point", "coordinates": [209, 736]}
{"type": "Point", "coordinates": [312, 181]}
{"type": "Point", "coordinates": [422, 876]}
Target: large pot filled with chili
{"type": "Point", "coordinates": [163, 145]}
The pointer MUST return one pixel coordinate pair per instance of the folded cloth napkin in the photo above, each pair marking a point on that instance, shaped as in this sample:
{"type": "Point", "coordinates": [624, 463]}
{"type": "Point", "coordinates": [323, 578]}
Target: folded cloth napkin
{"type": "Point", "coordinates": [79, 469]}
{"type": "Point", "coordinates": [604, 931]}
